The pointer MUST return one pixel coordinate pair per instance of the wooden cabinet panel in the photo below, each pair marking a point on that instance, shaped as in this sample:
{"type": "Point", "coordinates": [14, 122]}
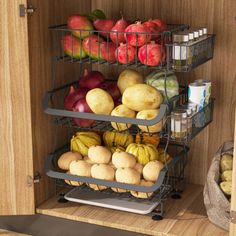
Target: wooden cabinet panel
{"type": "Point", "coordinates": [16, 156]}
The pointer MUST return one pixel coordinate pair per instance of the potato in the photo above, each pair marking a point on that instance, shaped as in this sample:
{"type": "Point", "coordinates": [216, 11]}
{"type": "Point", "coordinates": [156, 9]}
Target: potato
{"type": "Point", "coordinates": [226, 187]}
{"type": "Point", "coordinates": [100, 101]}
{"type": "Point", "coordinates": [142, 97]}
{"type": "Point", "coordinates": [128, 78]}
{"type": "Point", "coordinates": [150, 115]}
{"type": "Point", "coordinates": [152, 170]}
{"type": "Point", "coordinates": [66, 158]}
{"type": "Point", "coordinates": [99, 155]}
{"type": "Point", "coordinates": [123, 160]}
{"type": "Point", "coordinates": [143, 194]}
{"type": "Point", "coordinates": [227, 175]}
{"type": "Point", "coordinates": [122, 111]}
{"type": "Point", "coordinates": [226, 162]}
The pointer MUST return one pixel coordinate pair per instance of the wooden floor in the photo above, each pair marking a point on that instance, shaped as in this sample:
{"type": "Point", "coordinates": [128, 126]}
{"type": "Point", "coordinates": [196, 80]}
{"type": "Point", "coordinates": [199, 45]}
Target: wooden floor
{"type": "Point", "coordinates": [183, 217]}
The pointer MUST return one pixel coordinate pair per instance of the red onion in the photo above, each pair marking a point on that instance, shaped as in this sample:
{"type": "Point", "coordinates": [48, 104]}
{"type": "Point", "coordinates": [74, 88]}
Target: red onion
{"type": "Point", "coordinates": [73, 96]}
{"type": "Point", "coordinates": [82, 106]}
{"type": "Point", "coordinates": [91, 79]}
{"type": "Point", "coordinates": [112, 88]}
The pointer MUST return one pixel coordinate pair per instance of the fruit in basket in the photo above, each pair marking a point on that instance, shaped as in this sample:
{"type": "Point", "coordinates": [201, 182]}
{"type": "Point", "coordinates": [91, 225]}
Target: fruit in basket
{"type": "Point", "coordinates": [108, 51]}
{"type": "Point", "coordinates": [125, 53]}
{"type": "Point", "coordinates": [100, 101]}
{"type": "Point", "coordinates": [138, 167]}
{"type": "Point", "coordinates": [97, 187]}
{"type": "Point", "coordinates": [227, 175]}
{"type": "Point", "coordinates": [119, 190]}
{"type": "Point", "coordinates": [160, 24]}
{"type": "Point", "coordinates": [150, 114]}
{"type": "Point", "coordinates": [162, 81]}
{"type": "Point", "coordinates": [151, 170]}
{"type": "Point", "coordinates": [72, 182]}
{"type": "Point", "coordinates": [116, 35]}
{"type": "Point", "coordinates": [91, 79]}
{"type": "Point", "coordinates": [112, 88]}
{"type": "Point", "coordinates": [122, 111]}
{"type": "Point", "coordinates": [162, 157]}
{"type": "Point", "coordinates": [116, 149]}
{"type": "Point", "coordinates": [146, 138]}
{"type": "Point", "coordinates": [226, 162]}
{"type": "Point", "coordinates": [116, 139]}
{"type": "Point", "coordinates": [73, 96]}
{"type": "Point", "coordinates": [102, 171]}
{"type": "Point", "coordinates": [137, 34]}
{"type": "Point", "coordinates": [66, 158]}
{"type": "Point", "coordinates": [91, 46]}
{"type": "Point", "coordinates": [80, 168]}
{"type": "Point", "coordinates": [127, 78]}
{"type": "Point", "coordinates": [105, 25]}
{"type": "Point", "coordinates": [142, 97]}
{"type": "Point", "coordinates": [87, 159]}
{"type": "Point", "coordinates": [144, 153]}
{"type": "Point", "coordinates": [151, 54]}
{"type": "Point", "coordinates": [123, 160]}
{"type": "Point", "coordinates": [82, 106]}
{"type": "Point", "coordinates": [73, 47]}
{"type": "Point", "coordinates": [145, 183]}
{"type": "Point", "coordinates": [80, 26]}
{"type": "Point", "coordinates": [153, 29]}
{"type": "Point", "coordinates": [127, 175]}
{"type": "Point", "coordinates": [99, 154]}
{"type": "Point", "coordinates": [226, 187]}
{"type": "Point", "coordinates": [96, 14]}
{"type": "Point", "coordinates": [83, 140]}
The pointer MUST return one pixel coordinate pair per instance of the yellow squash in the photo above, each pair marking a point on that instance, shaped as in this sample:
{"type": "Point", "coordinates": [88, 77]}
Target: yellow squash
{"type": "Point", "coordinates": [116, 139]}
{"type": "Point", "coordinates": [83, 140]}
{"type": "Point", "coordinates": [143, 152]}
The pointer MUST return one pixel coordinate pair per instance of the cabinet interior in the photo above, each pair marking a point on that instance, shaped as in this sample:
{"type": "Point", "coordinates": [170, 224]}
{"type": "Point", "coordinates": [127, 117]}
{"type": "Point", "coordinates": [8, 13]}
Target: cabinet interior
{"type": "Point", "coordinates": [221, 71]}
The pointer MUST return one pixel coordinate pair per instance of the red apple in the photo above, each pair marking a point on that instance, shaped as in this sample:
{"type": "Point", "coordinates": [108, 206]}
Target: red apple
{"type": "Point", "coordinates": [82, 106]}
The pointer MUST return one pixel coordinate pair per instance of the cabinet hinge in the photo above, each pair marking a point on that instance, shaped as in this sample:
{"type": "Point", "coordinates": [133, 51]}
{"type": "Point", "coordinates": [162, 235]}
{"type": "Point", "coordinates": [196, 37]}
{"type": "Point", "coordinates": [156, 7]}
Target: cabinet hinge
{"type": "Point", "coordinates": [33, 180]}
{"type": "Point", "coordinates": [233, 217]}
{"type": "Point", "coordinates": [26, 10]}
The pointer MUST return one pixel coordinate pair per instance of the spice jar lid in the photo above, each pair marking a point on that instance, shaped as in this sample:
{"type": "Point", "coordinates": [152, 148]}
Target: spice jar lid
{"type": "Point", "coordinates": [180, 37]}
{"type": "Point", "coordinates": [200, 32]}
{"type": "Point", "coordinates": [179, 112]}
{"type": "Point", "coordinates": [190, 34]}
{"type": "Point", "coordinates": [204, 30]}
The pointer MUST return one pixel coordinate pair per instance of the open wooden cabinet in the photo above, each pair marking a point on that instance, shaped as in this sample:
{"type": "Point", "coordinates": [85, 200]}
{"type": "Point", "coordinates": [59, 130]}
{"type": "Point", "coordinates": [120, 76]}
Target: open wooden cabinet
{"type": "Point", "coordinates": [28, 134]}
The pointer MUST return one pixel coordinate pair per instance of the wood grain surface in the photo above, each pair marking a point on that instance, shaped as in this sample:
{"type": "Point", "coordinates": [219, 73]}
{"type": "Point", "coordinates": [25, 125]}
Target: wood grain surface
{"type": "Point", "coordinates": [182, 217]}
{"type": "Point", "coordinates": [16, 156]}
{"type": "Point", "coordinates": [46, 135]}
{"type": "Point", "coordinates": [219, 17]}
{"type": "Point", "coordinates": [10, 233]}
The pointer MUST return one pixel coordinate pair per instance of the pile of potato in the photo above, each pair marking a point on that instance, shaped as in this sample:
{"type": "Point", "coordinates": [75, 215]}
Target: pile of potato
{"type": "Point", "coordinates": [226, 166]}
{"type": "Point", "coordinates": [119, 166]}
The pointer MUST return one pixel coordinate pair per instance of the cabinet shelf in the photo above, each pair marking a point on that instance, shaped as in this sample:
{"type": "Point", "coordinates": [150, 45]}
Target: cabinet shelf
{"type": "Point", "coordinates": [53, 105]}
{"type": "Point", "coordinates": [53, 171]}
{"type": "Point", "coordinates": [73, 56]}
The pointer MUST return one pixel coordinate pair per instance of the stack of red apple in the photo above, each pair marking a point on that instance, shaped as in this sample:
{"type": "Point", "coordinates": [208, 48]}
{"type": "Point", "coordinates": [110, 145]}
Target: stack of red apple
{"type": "Point", "coordinates": [111, 40]}
{"type": "Point", "coordinates": [75, 100]}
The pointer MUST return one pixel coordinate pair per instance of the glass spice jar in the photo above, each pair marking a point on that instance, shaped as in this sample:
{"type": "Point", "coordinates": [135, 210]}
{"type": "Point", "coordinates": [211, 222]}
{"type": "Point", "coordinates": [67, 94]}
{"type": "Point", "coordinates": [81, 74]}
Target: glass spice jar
{"type": "Point", "coordinates": [179, 125]}
{"type": "Point", "coordinates": [179, 53]}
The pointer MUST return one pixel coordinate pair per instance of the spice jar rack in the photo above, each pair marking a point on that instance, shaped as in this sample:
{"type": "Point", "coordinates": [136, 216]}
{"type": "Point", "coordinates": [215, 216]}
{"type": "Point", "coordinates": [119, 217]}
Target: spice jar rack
{"type": "Point", "coordinates": [184, 56]}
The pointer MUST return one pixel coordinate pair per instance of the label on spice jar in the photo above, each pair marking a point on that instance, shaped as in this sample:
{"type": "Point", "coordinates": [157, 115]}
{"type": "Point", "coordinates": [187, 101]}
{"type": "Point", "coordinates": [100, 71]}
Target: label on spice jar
{"type": "Point", "coordinates": [179, 52]}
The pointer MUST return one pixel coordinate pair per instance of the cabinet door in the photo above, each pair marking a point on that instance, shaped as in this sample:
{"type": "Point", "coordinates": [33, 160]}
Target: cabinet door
{"type": "Point", "coordinates": [233, 197]}
{"type": "Point", "coordinates": [16, 162]}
